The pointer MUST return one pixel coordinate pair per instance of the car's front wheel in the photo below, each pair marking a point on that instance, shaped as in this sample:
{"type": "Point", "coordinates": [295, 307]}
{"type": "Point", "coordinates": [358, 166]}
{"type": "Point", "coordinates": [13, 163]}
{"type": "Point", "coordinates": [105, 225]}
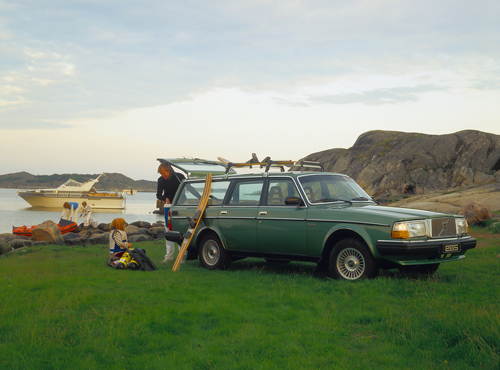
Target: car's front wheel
{"type": "Point", "coordinates": [212, 254]}
{"type": "Point", "coordinates": [351, 259]}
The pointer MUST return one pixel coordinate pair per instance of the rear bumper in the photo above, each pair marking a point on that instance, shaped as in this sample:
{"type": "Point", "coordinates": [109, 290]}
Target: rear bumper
{"type": "Point", "coordinates": [405, 248]}
{"type": "Point", "coordinates": [174, 236]}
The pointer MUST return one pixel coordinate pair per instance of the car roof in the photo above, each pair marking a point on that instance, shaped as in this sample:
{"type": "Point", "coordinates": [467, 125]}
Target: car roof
{"type": "Point", "coordinates": [198, 167]}
{"type": "Point", "coordinates": [276, 174]}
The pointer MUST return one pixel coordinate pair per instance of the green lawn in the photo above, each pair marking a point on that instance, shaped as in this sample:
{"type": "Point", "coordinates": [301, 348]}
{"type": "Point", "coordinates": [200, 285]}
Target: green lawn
{"type": "Point", "coordinates": [62, 308]}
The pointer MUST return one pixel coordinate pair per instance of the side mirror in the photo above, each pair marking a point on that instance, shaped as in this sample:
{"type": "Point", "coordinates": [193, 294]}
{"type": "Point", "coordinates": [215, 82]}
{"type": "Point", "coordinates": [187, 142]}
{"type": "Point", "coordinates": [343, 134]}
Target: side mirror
{"type": "Point", "coordinates": [294, 201]}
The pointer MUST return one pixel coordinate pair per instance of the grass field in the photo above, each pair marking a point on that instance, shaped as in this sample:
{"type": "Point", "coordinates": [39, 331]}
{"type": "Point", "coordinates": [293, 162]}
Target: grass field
{"type": "Point", "coordinates": [62, 308]}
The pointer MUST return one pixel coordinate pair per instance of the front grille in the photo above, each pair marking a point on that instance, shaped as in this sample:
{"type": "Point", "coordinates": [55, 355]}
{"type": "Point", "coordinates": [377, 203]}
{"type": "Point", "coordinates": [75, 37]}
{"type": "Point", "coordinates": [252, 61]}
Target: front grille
{"type": "Point", "coordinates": [443, 227]}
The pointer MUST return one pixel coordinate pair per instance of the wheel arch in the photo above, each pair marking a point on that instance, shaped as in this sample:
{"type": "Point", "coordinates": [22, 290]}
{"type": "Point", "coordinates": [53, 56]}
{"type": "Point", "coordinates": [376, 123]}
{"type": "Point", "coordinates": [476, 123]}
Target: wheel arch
{"type": "Point", "coordinates": [342, 232]}
{"type": "Point", "coordinates": [206, 231]}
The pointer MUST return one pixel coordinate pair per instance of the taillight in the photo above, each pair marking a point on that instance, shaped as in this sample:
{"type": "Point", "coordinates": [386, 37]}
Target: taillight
{"type": "Point", "coordinates": [169, 223]}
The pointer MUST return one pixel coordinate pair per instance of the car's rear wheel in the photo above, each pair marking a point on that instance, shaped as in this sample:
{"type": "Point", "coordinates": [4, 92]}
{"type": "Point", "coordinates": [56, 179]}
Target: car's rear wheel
{"type": "Point", "coordinates": [212, 254]}
{"type": "Point", "coordinates": [351, 259]}
{"type": "Point", "coordinates": [419, 269]}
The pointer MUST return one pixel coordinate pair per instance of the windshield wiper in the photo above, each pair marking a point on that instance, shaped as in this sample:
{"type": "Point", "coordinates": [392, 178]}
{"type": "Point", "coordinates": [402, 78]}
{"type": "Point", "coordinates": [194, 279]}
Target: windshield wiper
{"type": "Point", "coordinates": [360, 198]}
{"type": "Point", "coordinates": [332, 200]}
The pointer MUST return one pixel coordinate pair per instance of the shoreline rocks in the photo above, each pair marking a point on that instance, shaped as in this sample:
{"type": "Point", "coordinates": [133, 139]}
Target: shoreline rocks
{"type": "Point", "coordinates": [138, 231]}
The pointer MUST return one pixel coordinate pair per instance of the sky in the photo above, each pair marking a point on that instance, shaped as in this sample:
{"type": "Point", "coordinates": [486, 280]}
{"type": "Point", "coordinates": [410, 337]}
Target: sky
{"type": "Point", "coordinates": [95, 86]}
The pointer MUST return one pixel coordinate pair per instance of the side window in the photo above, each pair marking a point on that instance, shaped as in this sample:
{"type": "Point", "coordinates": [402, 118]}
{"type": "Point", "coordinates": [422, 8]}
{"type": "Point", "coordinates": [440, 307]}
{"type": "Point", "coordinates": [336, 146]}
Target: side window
{"type": "Point", "coordinates": [218, 192]}
{"type": "Point", "coordinates": [278, 190]}
{"type": "Point", "coordinates": [191, 194]}
{"type": "Point", "coordinates": [246, 193]}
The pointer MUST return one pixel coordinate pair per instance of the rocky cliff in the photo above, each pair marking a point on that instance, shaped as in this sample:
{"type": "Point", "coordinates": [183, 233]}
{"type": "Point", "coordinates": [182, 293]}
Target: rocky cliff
{"type": "Point", "coordinates": [386, 163]}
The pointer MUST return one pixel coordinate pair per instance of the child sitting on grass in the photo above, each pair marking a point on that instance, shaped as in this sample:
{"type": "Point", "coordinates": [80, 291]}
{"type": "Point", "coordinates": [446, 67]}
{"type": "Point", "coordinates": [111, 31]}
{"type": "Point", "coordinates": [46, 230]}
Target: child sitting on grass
{"type": "Point", "coordinates": [118, 243]}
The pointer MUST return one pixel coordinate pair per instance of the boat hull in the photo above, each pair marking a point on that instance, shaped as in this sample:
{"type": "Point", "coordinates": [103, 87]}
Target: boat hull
{"type": "Point", "coordinates": [94, 201]}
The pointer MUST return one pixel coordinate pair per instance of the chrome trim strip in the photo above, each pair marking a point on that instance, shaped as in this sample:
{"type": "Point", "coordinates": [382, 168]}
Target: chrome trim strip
{"type": "Point", "coordinates": [223, 217]}
{"type": "Point", "coordinates": [236, 218]}
{"type": "Point", "coordinates": [229, 206]}
{"type": "Point", "coordinates": [350, 222]}
{"type": "Point", "coordinates": [281, 219]}
{"type": "Point", "coordinates": [448, 240]}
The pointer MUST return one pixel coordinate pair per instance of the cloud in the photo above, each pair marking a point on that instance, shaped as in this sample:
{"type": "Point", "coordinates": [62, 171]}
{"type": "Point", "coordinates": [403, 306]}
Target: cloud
{"type": "Point", "coordinates": [378, 96]}
{"type": "Point", "coordinates": [65, 61]}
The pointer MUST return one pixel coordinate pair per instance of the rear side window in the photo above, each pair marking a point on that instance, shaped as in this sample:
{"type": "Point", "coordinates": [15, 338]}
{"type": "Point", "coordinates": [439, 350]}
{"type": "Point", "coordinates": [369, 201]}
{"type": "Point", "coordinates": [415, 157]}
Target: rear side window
{"type": "Point", "coordinates": [192, 191]}
{"type": "Point", "coordinates": [246, 193]}
{"type": "Point", "coordinates": [218, 192]}
{"type": "Point", "coordinates": [191, 194]}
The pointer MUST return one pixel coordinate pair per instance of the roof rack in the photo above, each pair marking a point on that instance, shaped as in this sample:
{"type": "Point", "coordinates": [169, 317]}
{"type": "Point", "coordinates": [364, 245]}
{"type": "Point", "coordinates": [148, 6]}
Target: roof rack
{"type": "Point", "coordinates": [310, 164]}
{"type": "Point", "coordinates": [267, 163]}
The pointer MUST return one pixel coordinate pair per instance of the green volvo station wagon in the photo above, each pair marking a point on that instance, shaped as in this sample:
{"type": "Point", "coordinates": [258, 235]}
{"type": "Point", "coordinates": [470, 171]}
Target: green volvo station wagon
{"type": "Point", "coordinates": [319, 217]}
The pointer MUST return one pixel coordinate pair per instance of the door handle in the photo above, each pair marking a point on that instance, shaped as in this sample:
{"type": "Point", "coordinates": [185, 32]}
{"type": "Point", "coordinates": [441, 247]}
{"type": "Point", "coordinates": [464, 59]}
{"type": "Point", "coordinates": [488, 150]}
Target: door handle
{"type": "Point", "coordinates": [223, 213]}
{"type": "Point", "coordinates": [263, 213]}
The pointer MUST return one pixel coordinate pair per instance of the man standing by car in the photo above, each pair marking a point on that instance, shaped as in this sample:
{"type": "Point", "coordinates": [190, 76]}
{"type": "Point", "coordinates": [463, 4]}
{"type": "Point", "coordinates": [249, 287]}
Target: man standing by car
{"type": "Point", "coordinates": [168, 183]}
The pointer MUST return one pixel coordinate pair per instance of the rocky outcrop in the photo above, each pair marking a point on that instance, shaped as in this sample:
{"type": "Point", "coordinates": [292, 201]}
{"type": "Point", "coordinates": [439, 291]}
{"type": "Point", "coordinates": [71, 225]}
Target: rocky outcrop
{"type": "Point", "coordinates": [384, 163]}
{"type": "Point", "coordinates": [48, 231]}
{"type": "Point", "coordinates": [11, 242]}
{"type": "Point", "coordinates": [476, 213]}
{"type": "Point", "coordinates": [451, 201]}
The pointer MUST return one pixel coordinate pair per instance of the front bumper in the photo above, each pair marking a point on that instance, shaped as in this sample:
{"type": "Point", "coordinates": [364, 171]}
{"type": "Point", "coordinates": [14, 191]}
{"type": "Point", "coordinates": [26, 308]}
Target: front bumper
{"type": "Point", "coordinates": [428, 247]}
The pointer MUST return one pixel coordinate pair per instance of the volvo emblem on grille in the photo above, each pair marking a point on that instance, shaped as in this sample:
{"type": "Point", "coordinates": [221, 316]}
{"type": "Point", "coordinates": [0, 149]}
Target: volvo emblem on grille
{"type": "Point", "coordinates": [444, 227]}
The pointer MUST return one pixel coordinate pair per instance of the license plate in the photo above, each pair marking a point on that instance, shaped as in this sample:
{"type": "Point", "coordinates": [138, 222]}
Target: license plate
{"type": "Point", "coordinates": [451, 248]}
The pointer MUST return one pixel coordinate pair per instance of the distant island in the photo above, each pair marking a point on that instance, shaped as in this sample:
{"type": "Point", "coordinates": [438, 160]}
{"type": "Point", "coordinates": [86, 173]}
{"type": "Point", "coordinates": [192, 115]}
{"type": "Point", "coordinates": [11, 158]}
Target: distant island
{"type": "Point", "coordinates": [107, 182]}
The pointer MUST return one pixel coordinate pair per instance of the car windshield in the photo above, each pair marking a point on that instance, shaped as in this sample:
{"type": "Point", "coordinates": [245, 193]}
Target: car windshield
{"type": "Point", "coordinates": [332, 188]}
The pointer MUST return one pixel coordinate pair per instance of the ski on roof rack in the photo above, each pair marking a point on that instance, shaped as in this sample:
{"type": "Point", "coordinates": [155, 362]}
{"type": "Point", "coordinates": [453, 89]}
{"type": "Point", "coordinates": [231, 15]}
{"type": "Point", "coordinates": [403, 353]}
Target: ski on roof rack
{"type": "Point", "coordinates": [266, 163]}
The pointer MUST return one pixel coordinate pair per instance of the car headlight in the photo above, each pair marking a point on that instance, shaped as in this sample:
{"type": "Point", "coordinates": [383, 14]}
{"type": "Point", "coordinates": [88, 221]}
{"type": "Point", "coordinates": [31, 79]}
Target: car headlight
{"type": "Point", "coordinates": [462, 226]}
{"type": "Point", "coordinates": [408, 229]}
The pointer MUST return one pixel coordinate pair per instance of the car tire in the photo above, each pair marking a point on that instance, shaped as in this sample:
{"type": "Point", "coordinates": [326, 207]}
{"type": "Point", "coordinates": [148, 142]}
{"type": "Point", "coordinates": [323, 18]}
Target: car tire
{"type": "Point", "coordinates": [212, 254]}
{"type": "Point", "coordinates": [419, 269]}
{"type": "Point", "coordinates": [351, 259]}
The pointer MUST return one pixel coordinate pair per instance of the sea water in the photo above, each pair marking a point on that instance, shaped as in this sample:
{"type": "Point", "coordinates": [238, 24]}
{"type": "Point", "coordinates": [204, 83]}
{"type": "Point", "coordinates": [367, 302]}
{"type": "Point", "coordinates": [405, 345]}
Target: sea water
{"type": "Point", "coordinates": [15, 211]}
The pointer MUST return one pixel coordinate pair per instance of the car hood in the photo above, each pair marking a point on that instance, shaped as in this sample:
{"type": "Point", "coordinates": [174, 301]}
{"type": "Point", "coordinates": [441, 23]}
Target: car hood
{"type": "Point", "coordinates": [371, 213]}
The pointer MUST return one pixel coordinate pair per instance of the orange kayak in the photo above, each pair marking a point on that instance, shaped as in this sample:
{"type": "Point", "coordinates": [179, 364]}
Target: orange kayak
{"type": "Point", "coordinates": [26, 230]}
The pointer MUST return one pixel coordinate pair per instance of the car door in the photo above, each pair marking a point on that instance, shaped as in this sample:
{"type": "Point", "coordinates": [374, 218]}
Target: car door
{"type": "Point", "coordinates": [238, 217]}
{"type": "Point", "coordinates": [281, 228]}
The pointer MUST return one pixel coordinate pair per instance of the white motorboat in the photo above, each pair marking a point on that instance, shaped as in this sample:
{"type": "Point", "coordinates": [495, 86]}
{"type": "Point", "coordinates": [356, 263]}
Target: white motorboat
{"type": "Point", "coordinates": [74, 191]}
